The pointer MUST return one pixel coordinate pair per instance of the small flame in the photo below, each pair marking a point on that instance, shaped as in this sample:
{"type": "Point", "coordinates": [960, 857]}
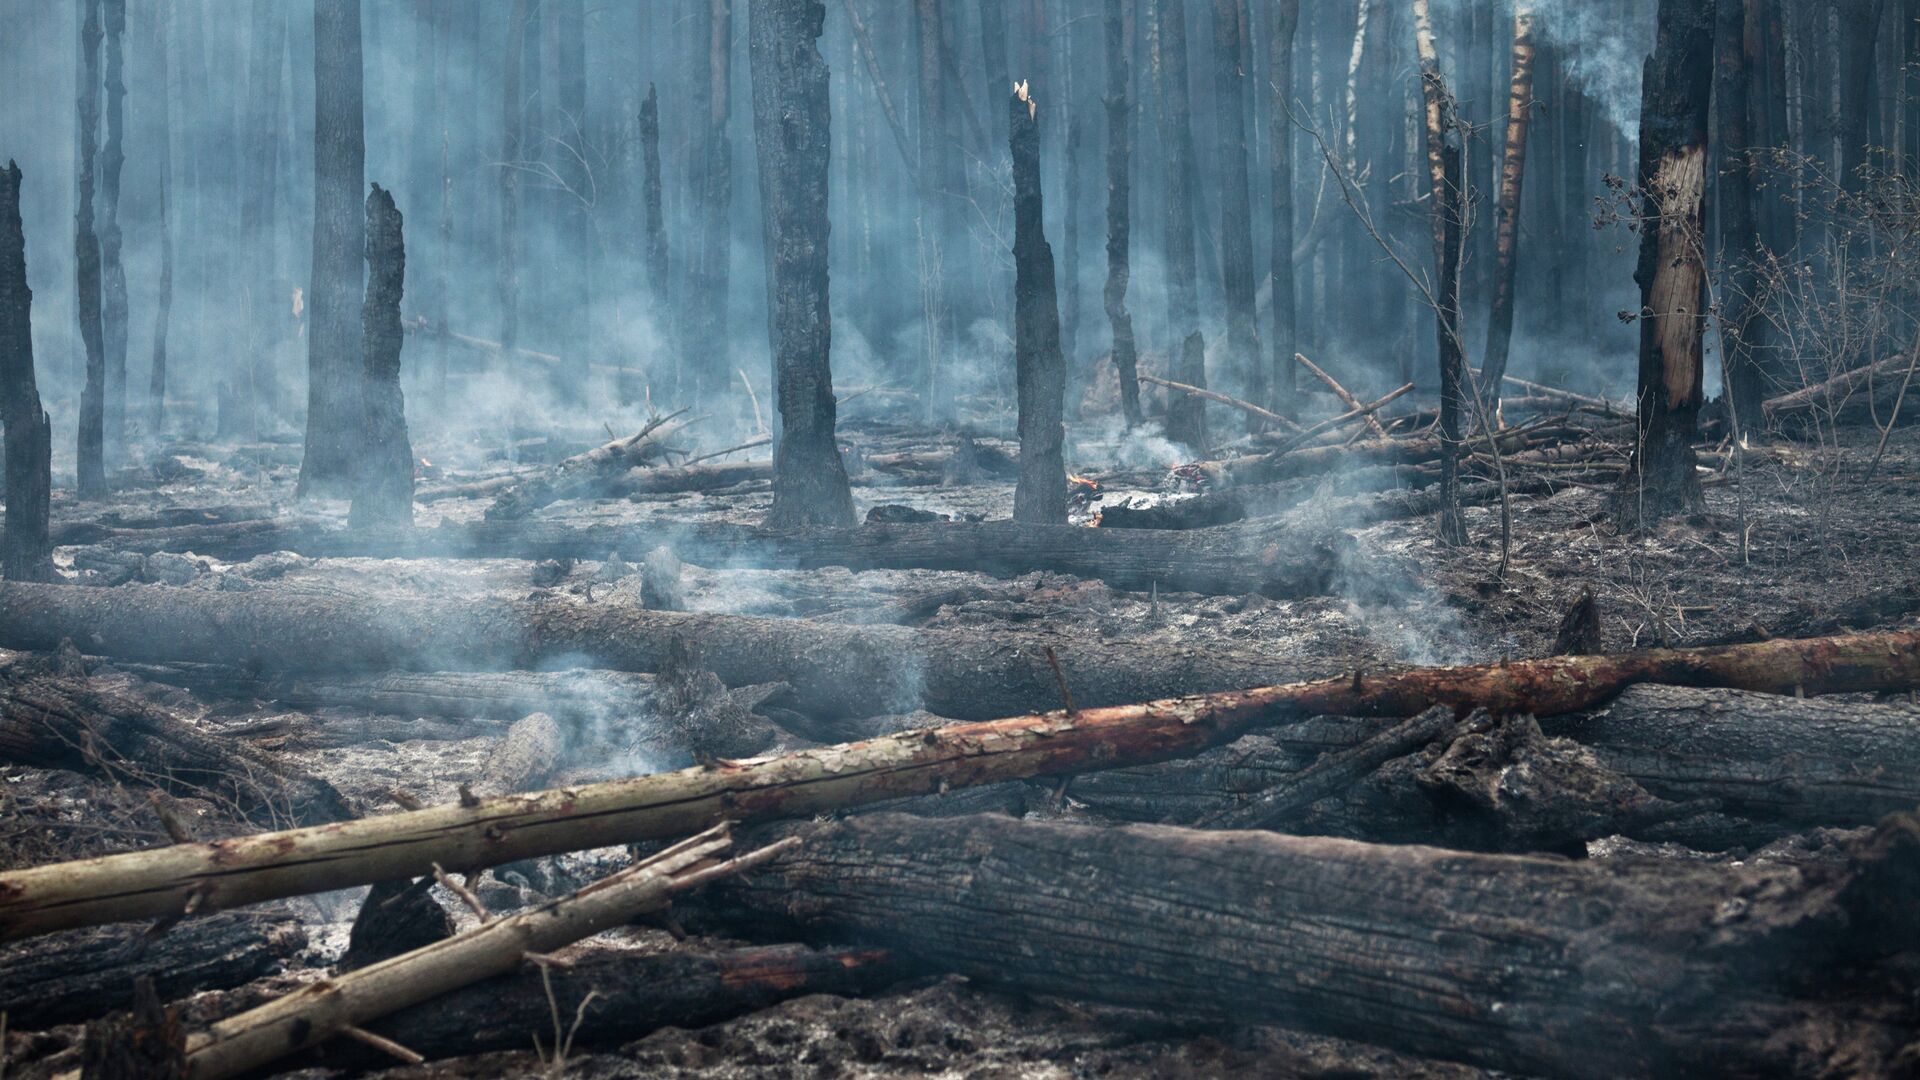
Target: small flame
{"type": "Point", "coordinates": [1076, 480]}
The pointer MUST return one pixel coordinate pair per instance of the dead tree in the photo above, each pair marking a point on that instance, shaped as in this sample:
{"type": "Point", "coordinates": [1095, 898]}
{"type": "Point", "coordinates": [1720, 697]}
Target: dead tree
{"type": "Point", "coordinates": [711, 265]}
{"type": "Point", "coordinates": [1186, 416]}
{"type": "Point", "coordinates": [936, 173]}
{"type": "Point", "coordinates": [1506, 246]}
{"type": "Point", "coordinates": [1285, 16]}
{"type": "Point", "coordinates": [163, 184]}
{"type": "Point", "coordinates": [1040, 497]}
{"type": "Point", "coordinates": [383, 492]}
{"type": "Point", "coordinates": [91, 461]}
{"type": "Point", "coordinates": [334, 364]}
{"type": "Point", "coordinates": [247, 385]}
{"type": "Point", "coordinates": [513, 126]}
{"type": "Point", "coordinates": [1660, 479]}
{"type": "Point", "coordinates": [1119, 46]}
{"type": "Point", "coordinates": [1444, 174]}
{"type": "Point", "coordinates": [1859, 22]}
{"type": "Point", "coordinates": [113, 273]}
{"type": "Point", "coordinates": [26, 553]}
{"type": "Point", "coordinates": [1739, 237]}
{"type": "Point", "coordinates": [659, 303]}
{"type": "Point", "coordinates": [791, 133]}
{"type": "Point", "coordinates": [1247, 368]}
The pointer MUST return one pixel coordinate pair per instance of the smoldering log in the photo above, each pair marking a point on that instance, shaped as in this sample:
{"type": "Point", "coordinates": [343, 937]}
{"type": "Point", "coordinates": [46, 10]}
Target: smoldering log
{"type": "Point", "coordinates": [1281, 565]}
{"type": "Point", "coordinates": [67, 978]}
{"type": "Point", "coordinates": [1520, 963]}
{"type": "Point", "coordinates": [834, 670]}
{"type": "Point", "coordinates": [53, 721]}
{"type": "Point", "coordinates": [162, 882]}
{"type": "Point", "coordinates": [524, 758]}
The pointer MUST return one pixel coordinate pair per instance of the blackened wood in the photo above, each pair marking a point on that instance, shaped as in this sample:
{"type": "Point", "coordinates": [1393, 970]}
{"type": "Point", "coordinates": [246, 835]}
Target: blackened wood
{"type": "Point", "coordinates": [145, 1044]}
{"type": "Point", "coordinates": [710, 266]}
{"type": "Point", "coordinates": [1040, 496]}
{"type": "Point", "coordinates": [1118, 31]}
{"type": "Point", "coordinates": [1513, 166]}
{"type": "Point", "coordinates": [1448, 198]}
{"type": "Point", "coordinates": [1186, 418]}
{"type": "Point", "coordinates": [91, 460]}
{"type": "Point", "coordinates": [334, 365]}
{"type": "Point", "coordinates": [113, 273]}
{"type": "Point", "coordinates": [1285, 335]}
{"type": "Point", "coordinates": [791, 135]}
{"type": "Point", "coordinates": [383, 488]}
{"type": "Point", "coordinates": [1247, 370]}
{"type": "Point", "coordinates": [1519, 963]}
{"type": "Point", "coordinates": [395, 917]}
{"type": "Point", "coordinates": [660, 301]}
{"type": "Point", "coordinates": [163, 194]}
{"type": "Point", "coordinates": [76, 976]}
{"type": "Point", "coordinates": [26, 553]}
{"type": "Point", "coordinates": [1735, 73]}
{"type": "Point", "coordinates": [1661, 479]}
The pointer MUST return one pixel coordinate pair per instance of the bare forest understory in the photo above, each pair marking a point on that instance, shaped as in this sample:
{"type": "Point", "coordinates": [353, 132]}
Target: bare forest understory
{"type": "Point", "coordinates": [236, 661]}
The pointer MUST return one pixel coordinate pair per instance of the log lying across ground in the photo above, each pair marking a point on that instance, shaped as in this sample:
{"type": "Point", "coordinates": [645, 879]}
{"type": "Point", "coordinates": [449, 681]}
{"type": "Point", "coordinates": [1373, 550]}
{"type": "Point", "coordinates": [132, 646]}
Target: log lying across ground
{"type": "Point", "coordinates": [576, 694]}
{"type": "Point", "coordinates": [1534, 965]}
{"type": "Point", "coordinates": [206, 877]}
{"type": "Point", "coordinates": [55, 721]}
{"type": "Point", "coordinates": [834, 670]}
{"type": "Point", "coordinates": [1279, 564]}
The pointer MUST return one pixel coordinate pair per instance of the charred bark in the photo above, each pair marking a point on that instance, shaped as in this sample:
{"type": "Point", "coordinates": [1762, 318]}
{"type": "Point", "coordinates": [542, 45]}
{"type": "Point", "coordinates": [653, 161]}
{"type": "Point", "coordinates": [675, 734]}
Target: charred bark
{"type": "Point", "coordinates": [1734, 73]}
{"type": "Point", "coordinates": [1244, 361]}
{"type": "Point", "coordinates": [791, 132]}
{"type": "Point", "coordinates": [1285, 16]}
{"type": "Point", "coordinates": [26, 551]}
{"type": "Point", "coordinates": [334, 364]}
{"type": "Point", "coordinates": [1661, 479]}
{"type": "Point", "coordinates": [163, 188]}
{"type": "Point", "coordinates": [1444, 174]}
{"type": "Point", "coordinates": [513, 121]}
{"type": "Point", "coordinates": [659, 298]}
{"type": "Point", "coordinates": [383, 492]}
{"type": "Point", "coordinates": [91, 460]}
{"type": "Point", "coordinates": [1513, 167]}
{"type": "Point", "coordinates": [248, 382]}
{"type": "Point", "coordinates": [1040, 497]}
{"type": "Point", "coordinates": [1186, 417]}
{"type": "Point", "coordinates": [1118, 31]}
{"type": "Point", "coordinates": [709, 272]}
{"type": "Point", "coordinates": [113, 274]}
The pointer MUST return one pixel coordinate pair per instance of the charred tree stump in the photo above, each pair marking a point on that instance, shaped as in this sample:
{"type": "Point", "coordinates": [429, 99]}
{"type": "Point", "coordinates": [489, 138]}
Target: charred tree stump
{"type": "Point", "coordinates": [1513, 169]}
{"type": "Point", "coordinates": [1517, 963]}
{"type": "Point", "coordinates": [384, 492]}
{"type": "Point", "coordinates": [1119, 47]}
{"type": "Point", "coordinates": [1040, 497]}
{"type": "Point", "coordinates": [91, 460]}
{"type": "Point", "coordinates": [26, 552]}
{"type": "Point", "coordinates": [790, 125]}
{"type": "Point", "coordinates": [1661, 480]}
{"type": "Point", "coordinates": [334, 364]}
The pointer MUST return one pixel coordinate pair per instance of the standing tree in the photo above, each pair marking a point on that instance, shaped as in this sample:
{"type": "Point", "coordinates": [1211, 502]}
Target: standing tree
{"type": "Point", "coordinates": [938, 164]}
{"type": "Point", "coordinates": [1445, 173]}
{"type": "Point", "coordinates": [1040, 496]}
{"type": "Point", "coordinates": [113, 274]}
{"type": "Point", "coordinates": [658, 304]}
{"type": "Point", "coordinates": [1285, 16]}
{"type": "Point", "coordinates": [266, 41]}
{"type": "Point", "coordinates": [513, 125]}
{"type": "Point", "coordinates": [25, 551]}
{"type": "Point", "coordinates": [334, 365]}
{"type": "Point", "coordinates": [1739, 237]}
{"type": "Point", "coordinates": [1119, 44]}
{"type": "Point", "coordinates": [572, 164]}
{"type": "Point", "coordinates": [1245, 365]}
{"type": "Point", "coordinates": [1186, 415]}
{"type": "Point", "coordinates": [710, 269]}
{"type": "Point", "coordinates": [791, 130]}
{"type": "Point", "coordinates": [86, 251]}
{"type": "Point", "coordinates": [163, 170]}
{"type": "Point", "coordinates": [1675, 103]}
{"type": "Point", "coordinates": [383, 491]}
{"type": "Point", "coordinates": [1506, 244]}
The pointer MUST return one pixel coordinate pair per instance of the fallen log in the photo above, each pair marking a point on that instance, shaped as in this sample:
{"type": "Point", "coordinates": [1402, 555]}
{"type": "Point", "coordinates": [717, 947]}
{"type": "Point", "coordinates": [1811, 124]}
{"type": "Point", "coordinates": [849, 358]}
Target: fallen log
{"type": "Point", "coordinates": [574, 695]}
{"type": "Point", "coordinates": [206, 877]}
{"type": "Point", "coordinates": [1315, 460]}
{"type": "Point", "coordinates": [1218, 398]}
{"type": "Point", "coordinates": [834, 670]}
{"type": "Point", "coordinates": [588, 475]}
{"type": "Point", "coordinates": [52, 721]}
{"type": "Point", "coordinates": [1346, 398]}
{"type": "Point", "coordinates": [1223, 562]}
{"type": "Point", "coordinates": [1838, 394]}
{"type": "Point", "coordinates": [1531, 965]}
{"type": "Point", "coordinates": [667, 479]}
{"type": "Point", "coordinates": [78, 976]}
{"type": "Point", "coordinates": [525, 758]}
{"type": "Point", "coordinates": [317, 1012]}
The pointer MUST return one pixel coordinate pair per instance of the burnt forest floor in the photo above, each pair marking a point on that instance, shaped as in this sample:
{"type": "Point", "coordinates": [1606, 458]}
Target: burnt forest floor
{"type": "Point", "coordinates": [1793, 540]}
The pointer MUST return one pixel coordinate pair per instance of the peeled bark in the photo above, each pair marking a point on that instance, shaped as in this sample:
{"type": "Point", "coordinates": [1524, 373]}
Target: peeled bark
{"type": "Point", "coordinates": [26, 551]}
{"type": "Point", "coordinates": [383, 492]}
{"type": "Point", "coordinates": [334, 364]}
{"type": "Point", "coordinates": [1119, 46]}
{"type": "Point", "coordinates": [91, 459]}
{"type": "Point", "coordinates": [1513, 167]}
{"type": "Point", "coordinates": [1040, 497]}
{"type": "Point", "coordinates": [1524, 964]}
{"type": "Point", "coordinates": [1286, 317]}
{"type": "Point", "coordinates": [113, 274]}
{"type": "Point", "coordinates": [1661, 480]}
{"type": "Point", "coordinates": [1247, 367]}
{"type": "Point", "coordinates": [790, 122]}
{"type": "Point", "coordinates": [162, 882]}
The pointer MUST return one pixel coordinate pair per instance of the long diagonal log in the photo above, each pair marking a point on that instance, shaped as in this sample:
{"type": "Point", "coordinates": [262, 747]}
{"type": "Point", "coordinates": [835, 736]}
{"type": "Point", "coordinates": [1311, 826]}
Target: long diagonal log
{"type": "Point", "coordinates": [1530, 965]}
{"type": "Point", "coordinates": [206, 877]}
{"type": "Point", "coordinates": [1283, 565]}
{"type": "Point", "coordinates": [834, 670]}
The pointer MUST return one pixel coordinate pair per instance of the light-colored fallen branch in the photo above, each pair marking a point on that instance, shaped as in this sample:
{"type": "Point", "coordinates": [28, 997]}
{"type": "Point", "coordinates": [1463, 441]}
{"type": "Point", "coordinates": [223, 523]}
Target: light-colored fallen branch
{"type": "Point", "coordinates": [336, 1006]}
{"type": "Point", "coordinates": [1222, 399]}
{"type": "Point", "coordinates": [1350, 415]}
{"type": "Point", "coordinates": [1346, 397]}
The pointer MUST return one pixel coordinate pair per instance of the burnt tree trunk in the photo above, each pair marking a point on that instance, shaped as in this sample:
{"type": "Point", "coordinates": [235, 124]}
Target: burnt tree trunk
{"type": "Point", "coordinates": [513, 121]}
{"type": "Point", "coordinates": [1859, 31]}
{"type": "Point", "coordinates": [334, 365]}
{"type": "Point", "coordinates": [1444, 174]}
{"type": "Point", "coordinates": [1119, 48]}
{"type": "Point", "coordinates": [163, 186]}
{"type": "Point", "coordinates": [1247, 369]}
{"type": "Point", "coordinates": [383, 493]}
{"type": "Point", "coordinates": [1040, 497]}
{"type": "Point", "coordinates": [1285, 15]}
{"type": "Point", "coordinates": [937, 186]}
{"type": "Point", "coordinates": [113, 272]}
{"type": "Point", "coordinates": [659, 302]}
{"type": "Point", "coordinates": [581, 261]}
{"type": "Point", "coordinates": [1677, 87]}
{"type": "Point", "coordinates": [1513, 167]}
{"type": "Point", "coordinates": [1739, 241]}
{"type": "Point", "coordinates": [709, 272]}
{"type": "Point", "coordinates": [791, 133]}
{"type": "Point", "coordinates": [91, 460]}
{"type": "Point", "coordinates": [1186, 416]}
{"type": "Point", "coordinates": [26, 554]}
{"type": "Point", "coordinates": [249, 380]}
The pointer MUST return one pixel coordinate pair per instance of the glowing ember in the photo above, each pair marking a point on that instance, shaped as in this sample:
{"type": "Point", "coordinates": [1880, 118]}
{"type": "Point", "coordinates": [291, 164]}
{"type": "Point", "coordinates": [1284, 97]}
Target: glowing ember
{"type": "Point", "coordinates": [1076, 480]}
